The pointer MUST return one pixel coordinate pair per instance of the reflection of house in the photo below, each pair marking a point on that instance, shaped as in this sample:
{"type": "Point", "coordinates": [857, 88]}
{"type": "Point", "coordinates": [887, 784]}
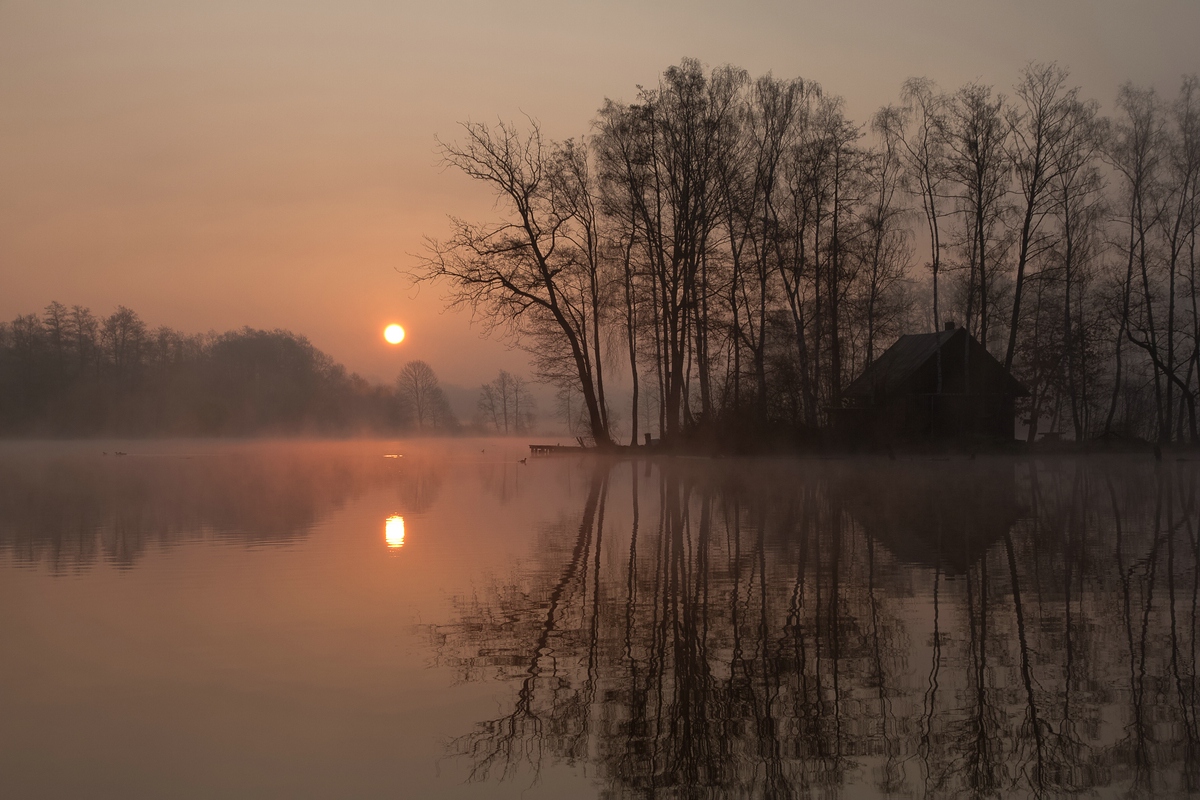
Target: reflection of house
{"type": "Point", "coordinates": [943, 385]}
{"type": "Point", "coordinates": [946, 513]}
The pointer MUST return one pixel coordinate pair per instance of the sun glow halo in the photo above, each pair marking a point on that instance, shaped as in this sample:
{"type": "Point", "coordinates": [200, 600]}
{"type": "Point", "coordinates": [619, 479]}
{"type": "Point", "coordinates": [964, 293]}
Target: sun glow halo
{"type": "Point", "coordinates": [394, 334]}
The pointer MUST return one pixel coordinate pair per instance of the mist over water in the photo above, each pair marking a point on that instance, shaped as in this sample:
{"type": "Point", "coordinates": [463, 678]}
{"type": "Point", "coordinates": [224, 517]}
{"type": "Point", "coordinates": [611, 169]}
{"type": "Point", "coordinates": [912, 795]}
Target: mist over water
{"type": "Point", "coordinates": [436, 619]}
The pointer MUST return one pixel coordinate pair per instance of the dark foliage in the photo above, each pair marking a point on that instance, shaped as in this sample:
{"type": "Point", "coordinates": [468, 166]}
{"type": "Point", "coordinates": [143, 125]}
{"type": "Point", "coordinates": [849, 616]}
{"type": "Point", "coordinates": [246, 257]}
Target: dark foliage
{"type": "Point", "coordinates": [69, 373]}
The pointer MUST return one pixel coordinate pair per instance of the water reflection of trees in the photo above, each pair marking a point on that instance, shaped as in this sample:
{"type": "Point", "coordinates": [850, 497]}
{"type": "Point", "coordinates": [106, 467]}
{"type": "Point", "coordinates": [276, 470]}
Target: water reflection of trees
{"type": "Point", "coordinates": [990, 628]}
{"type": "Point", "coordinates": [70, 510]}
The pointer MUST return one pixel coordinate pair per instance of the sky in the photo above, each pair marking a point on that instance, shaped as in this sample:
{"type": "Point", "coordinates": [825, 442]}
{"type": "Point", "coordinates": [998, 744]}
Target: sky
{"type": "Point", "coordinates": [215, 164]}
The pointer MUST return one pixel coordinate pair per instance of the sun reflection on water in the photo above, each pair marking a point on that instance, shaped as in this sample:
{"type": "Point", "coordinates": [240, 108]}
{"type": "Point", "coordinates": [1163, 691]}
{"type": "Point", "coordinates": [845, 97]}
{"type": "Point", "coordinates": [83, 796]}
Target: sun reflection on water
{"type": "Point", "coordinates": [393, 531]}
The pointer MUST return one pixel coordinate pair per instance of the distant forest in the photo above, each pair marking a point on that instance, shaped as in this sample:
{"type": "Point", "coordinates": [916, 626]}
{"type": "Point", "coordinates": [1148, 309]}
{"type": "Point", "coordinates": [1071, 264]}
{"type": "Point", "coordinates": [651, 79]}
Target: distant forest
{"type": "Point", "coordinates": [739, 249]}
{"type": "Point", "coordinates": [67, 372]}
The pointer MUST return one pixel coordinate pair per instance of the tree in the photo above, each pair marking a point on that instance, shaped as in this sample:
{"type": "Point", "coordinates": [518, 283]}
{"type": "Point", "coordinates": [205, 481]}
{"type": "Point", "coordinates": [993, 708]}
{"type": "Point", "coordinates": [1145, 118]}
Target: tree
{"type": "Point", "coordinates": [885, 249]}
{"type": "Point", "coordinates": [83, 329]}
{"type": "Point", "coordinates": [754, 186]}
{"type": "Point", "coordinates": [977, 140]}
{"type": "Point", "coordinates": [1037, 127]}
{"type": "Point", "coordinates": [1078, 206]}
{"type": "Point", "coordinates": [506, 404]}
{"type": "Point", "coordinates": [1135, 151]}
{"type": "Point", "coordinates": [619, 144]}
{"type": "Point", "coordinates": [1177, 219]}
{"type": "Point", "coordinates": [418, 390]}
{"type": "Point", "coordinates": [686, 126]}
{"type": "Point", "coordinates": [534, 275]}
{"type": "Point", "coordinates": [123, 336]}
{"type": "Point", "coordinates": [920, 129]}
{"type": "Point", "coordinates": [54, 321]}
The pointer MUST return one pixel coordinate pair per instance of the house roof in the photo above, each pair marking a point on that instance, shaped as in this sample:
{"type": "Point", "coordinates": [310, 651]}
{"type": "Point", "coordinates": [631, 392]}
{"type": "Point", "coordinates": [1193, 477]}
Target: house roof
{"type": "Point", "coordinates": [887, 374]}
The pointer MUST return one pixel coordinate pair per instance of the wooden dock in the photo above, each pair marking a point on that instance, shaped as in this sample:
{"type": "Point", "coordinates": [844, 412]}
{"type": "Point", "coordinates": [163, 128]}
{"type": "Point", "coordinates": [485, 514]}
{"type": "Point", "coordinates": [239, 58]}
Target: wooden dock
{"type": "Point", "coordinates": [556, 449]}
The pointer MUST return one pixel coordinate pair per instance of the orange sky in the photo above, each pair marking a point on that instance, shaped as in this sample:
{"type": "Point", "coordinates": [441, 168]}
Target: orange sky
{"type": "Point", "coordinates": [218, 164]}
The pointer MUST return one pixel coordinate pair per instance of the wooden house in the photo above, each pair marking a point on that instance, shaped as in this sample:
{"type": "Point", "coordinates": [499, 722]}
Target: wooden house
{"type": "Point", "coordinates": [930, 386]}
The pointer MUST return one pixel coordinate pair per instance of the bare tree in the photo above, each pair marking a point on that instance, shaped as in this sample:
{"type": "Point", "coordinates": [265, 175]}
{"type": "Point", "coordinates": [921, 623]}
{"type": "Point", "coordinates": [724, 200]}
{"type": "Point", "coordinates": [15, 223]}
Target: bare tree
{"type": "Point", "coordinates": [83, 329]}
{"type": "Point", "coordinates": [1078, 205]}
{"type": "Point", "coordinates": [1037, 125]}
{"type": "Point", "coordinates": [506, 404]}
{"type": "Point", "coordinates": [534, 275]}
{"type": "Point", "coordinates": [1135, 151]}
{"type": "Point", "coordinates": [123, 336]}
{"type": "Point", "coordinates": [977, 138]}
{"type": "Point", "coordinates": [886, 253]}
{"type": "Point", "coordinates": [620, 150]}
{"type": "Point", "coordinates": [920, 128]}
{"type": "Point", "coordinates": [418, 389]}
{"type": "Point", "coordinates": [1177, 219]}
{"type": "Point", "coordinates": [54, 320]}
{"type": "Point", "coordinates": [692, 120]}
{"type": "Point", "coordinates": [751, 178]}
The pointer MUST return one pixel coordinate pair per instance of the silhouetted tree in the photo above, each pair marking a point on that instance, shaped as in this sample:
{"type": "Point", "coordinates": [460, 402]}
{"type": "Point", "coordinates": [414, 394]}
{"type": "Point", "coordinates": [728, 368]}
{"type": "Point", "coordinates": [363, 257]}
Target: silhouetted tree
{"type": "Point", "coordinates": [422, 397]}
{"type": "Point", "coordinates": [977, 139]}
{"type": "Point", "coordinates": [506, 405]}
{"type": "Point", "coordinates": [1038, 127]}
{"type": "Point", "coordinates": [536, 275]}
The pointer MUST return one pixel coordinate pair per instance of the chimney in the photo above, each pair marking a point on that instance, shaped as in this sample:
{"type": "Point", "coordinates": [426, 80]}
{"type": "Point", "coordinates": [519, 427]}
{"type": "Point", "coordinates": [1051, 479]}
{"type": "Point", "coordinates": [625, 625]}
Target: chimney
{"type": "Point", "coordinates": [949, 325]}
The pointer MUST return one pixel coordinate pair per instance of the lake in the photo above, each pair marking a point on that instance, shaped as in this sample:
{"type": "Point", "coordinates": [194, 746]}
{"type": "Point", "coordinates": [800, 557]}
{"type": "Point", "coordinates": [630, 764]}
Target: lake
{"type": "Point", "coordinates": [436, 619]}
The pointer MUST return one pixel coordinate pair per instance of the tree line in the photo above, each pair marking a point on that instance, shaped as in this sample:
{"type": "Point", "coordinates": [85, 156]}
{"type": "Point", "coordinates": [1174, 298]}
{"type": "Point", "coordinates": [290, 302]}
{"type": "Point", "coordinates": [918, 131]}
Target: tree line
{"type": "Point", "coordinates": [69, 372]}
{"type": "Point", "coordinates": [740, 249]}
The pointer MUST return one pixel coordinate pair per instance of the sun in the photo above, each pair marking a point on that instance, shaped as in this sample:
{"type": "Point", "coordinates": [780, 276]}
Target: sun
{"type": "Point", "coordinates": [394, 334]}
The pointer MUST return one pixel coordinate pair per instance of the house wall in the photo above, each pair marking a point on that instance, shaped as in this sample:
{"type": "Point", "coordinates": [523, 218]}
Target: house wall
{"type": "Point", "coordinates": [917, 417]}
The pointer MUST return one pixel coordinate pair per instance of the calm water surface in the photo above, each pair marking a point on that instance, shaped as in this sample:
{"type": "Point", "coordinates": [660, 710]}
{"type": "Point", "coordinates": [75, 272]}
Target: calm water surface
{"type": "Point", "coordinates": [200, 619]}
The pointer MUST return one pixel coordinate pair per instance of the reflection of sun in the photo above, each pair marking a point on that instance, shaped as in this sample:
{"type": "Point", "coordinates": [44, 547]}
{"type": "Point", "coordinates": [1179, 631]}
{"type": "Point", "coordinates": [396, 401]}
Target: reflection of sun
{"type": "Point", "coordinates": [393, 531]}
{"type": "Point", "coordinates": [394, 334]}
